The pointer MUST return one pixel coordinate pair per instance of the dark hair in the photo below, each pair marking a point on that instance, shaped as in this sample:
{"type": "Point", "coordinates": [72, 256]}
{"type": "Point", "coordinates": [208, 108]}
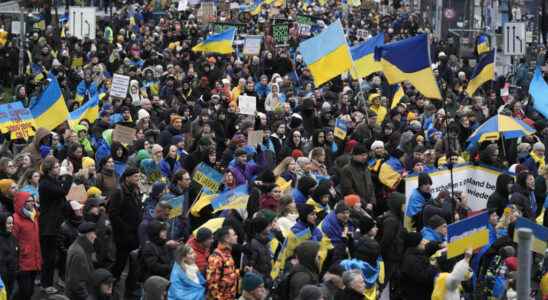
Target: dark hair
{"type": "Point", "coordinates": [48, 164]}
{"type": "Point", "coordinates": [178, 176]}
{"type": "Point", "coordinates": [221, 234]}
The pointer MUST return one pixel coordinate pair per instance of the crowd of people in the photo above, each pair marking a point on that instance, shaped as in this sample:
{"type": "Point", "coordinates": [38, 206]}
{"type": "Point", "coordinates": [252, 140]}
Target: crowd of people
{"type": "Point", "coordinates": [317, 221]}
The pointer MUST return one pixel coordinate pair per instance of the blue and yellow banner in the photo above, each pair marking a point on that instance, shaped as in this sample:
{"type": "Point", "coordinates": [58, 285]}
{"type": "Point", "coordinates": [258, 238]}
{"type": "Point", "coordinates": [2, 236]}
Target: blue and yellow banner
{"type": "Point", "coordinates": [50, 110]}
{"type": "Point", "coordinates": [483, 72]}
{"type": "Point", "coordinates": [409, 60]}
{"type": "Point", "coordinates": [469, 233]}
{"type": "Point", "coordinates": [17, 120]}
{"type": "Point", "coordinates": [88, 111]}
{"type": "Point", "coordinates": [176, 204]}
{"type": "Point", "coordinates": [232, 199]}
{"type": "Point", "coordinates": [217, 43]}
{"type": "Point", "coordinates": [327, 55]}
{"type": "Point", "coordinates": [208, 177]}
{"type": "Point", "coordinates": [363, 57]}
{"type": "Point", "coordinates": [540, 234]}
{"type": "Point", "coordinates": [341, 128]}
{"type": "Point", "coordinates": [396, 91]}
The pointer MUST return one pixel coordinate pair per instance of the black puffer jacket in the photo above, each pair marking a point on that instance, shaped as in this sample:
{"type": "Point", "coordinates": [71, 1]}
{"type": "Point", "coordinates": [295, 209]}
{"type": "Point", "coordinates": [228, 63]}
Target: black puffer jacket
{"type": "Point", "coordinates": [306, 272]}
{"type": "Point", "coordinates": [391, 239]}
{"type": "Point", "coordinates": [260, 257]}
{"type": "Point", "coordinates": [499, 199]}
{"type": "Point", "coordinates": [417, 275]}
{"type": "Point", "coordinates": [8, 254]}
{"type": "Point", "coordinates": [156, 258]}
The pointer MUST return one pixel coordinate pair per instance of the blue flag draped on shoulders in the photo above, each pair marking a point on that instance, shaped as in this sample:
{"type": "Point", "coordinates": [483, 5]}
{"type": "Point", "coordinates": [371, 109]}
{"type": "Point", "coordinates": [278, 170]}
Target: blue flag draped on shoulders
{"type": "Point", "coordinates": [409, 60]}
{"type": "Point", "coordinates": [327, 55]}
{"type": "Point", "coordinates": [50, 110]}
{"type": "Point", "coordinates": [539, 91]}
{"type": "Point", "coordinates": [89, 111]}
{"type": "Point", "coordinates": [363, 57]}
{"type": "Point", "coordinates": [217, 43]}
{"type": "Point", "coordinates": [232, 199]}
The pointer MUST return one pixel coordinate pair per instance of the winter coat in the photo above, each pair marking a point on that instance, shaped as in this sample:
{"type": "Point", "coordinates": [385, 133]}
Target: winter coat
{"type": "Point", "coordinates": [167, 135]}
{"type": "Point", "coordinates": [8, 254]}
{"type": "Point", "coordinates": [306, 272]}
{"type": "Point", "coordinates": [391, 240]}
{"type": "Point", "coordinates": [260, 257]}
{"type": "Point", "coordinates": [155, 255]}
{"type": "Point", "coordinates": [79, 268]}
{"type": "Point", "coordinates": [523, 198]}
{"type": "Point", "coordinates": [107, 182]}
{"type": "Point", "coordinates": [201, 253]}
{"type": "Point", "coordinates": [183, 288]}
{"type": "Point", "coordinates": [417, 275]}
{"type": "Point", "coordinates": [52, 193]}
{"type": "Point", "coordinates": [125, 214]}
{"type": "Point", "coordinates": [222, 275]}
{"type": "Point", "coordinates": [34, 148]}
{"type": "Point", "coordinates": [154, 288]}
{"type": "Point", "coordinates": [356, 179]}
{"type": "Point", "coordinates": [26, 232]}
{"type": "Point", "coordinates": [499, 199]}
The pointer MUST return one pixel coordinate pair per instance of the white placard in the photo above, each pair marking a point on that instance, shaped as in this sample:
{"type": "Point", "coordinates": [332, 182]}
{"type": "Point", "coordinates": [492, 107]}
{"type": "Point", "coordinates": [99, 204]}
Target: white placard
{"type": "Point", "coordinates": [252, 45]}
{"type": "Point", "coordinates": [16, 27]}
{"type": "Point", "coordinates": [183, 5]}
{"type": "Point", "coordinates": [247, 105]}
{"type": "Point", "coordinates": [120, 83]}
{"type": "Point", "coordinates": [82, 22]}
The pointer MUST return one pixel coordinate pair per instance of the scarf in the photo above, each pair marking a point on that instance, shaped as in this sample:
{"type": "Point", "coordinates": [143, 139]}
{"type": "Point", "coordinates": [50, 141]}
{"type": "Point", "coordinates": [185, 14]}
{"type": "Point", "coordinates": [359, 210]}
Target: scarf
{"type": "Point", "coordinates": [30, 214]}
{"type": "Point", "coordinates": [192, 272]}
{"type": "Point", "coordinates": [538, 159]}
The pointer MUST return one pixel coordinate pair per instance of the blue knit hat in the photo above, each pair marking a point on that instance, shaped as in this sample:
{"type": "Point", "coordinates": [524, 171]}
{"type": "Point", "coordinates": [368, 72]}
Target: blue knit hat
{"type": "Point", "coordinates": [251, 281]}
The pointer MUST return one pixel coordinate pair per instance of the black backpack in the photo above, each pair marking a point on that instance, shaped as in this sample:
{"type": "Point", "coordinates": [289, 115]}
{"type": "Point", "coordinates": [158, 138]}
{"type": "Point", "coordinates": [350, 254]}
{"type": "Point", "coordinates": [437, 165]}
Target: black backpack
{"type": "Point", "coordinates": [281, 286]}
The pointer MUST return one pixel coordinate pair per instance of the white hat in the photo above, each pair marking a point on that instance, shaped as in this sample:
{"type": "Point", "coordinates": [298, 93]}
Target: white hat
{"type": "Point", "coordinates": [75, 205]}
{"type": "Point", "coordinates": [141, 114]}
{"type": "Point", "coordinates": [377, 144]}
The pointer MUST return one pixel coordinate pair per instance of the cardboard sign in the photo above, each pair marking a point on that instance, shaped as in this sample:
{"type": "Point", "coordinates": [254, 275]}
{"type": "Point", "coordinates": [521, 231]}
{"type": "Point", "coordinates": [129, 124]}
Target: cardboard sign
{"type": "Point", "coordinates": [124, 135]}
{"type": "Point", "coordinates": [120, 84]}
{"type": "Point", "coordinates": [255, 137]}
{"type": "Point", "coordinates": [78, 193]}
{"type": "Point", "coordinates": [252, 45]}
{"type": "Point", "coordinates": [208, 177]}
{"type": "Point", "coordinates": [247, 105]}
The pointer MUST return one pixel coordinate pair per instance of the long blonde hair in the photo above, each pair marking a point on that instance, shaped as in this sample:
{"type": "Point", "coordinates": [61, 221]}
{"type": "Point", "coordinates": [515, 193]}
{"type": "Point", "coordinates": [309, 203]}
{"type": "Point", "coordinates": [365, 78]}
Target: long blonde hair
{"type": "Point", "coordinates": [282, 166]}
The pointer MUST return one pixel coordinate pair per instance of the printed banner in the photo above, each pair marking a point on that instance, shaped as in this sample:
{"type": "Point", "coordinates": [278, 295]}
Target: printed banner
{"type": "Point", "coordinates": [540, 234]}
{"type": "Point", "coordinates": [468, 233]}
{"type": "Point", "coordinates": [341, 128]}
{"type": "Point", "coordinates": [208, 177]}
{"type": "Point", "coordinates": [477, 181]}
{"type": "Point", "coordinates": [17, 120]}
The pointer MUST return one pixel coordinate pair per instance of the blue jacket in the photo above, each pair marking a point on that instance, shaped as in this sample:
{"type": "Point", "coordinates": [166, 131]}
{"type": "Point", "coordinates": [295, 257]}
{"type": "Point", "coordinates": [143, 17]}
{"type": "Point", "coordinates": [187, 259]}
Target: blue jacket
{"type": "Point", "coordinates": [183, 288]}
{"type": "Point", "coordinates": [430, 234]}
{"type": "Point", "coordinates": [415, 204]}
{"type": "Point", "coordinates": [300, 226]}
{"type": "Point", "coordinates": [166, 169]}
{"type": "Point", "coordinates": [333, 229]}
{"type": "Point", "coordinates": [298, 196]}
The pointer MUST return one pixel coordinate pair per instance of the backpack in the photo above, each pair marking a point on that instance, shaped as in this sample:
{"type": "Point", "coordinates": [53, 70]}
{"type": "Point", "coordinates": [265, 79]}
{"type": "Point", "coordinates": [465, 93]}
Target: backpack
{"type": "Point", "coordinates": [380, 225]}
{"type": "Point", "coordinates": [281, 286]}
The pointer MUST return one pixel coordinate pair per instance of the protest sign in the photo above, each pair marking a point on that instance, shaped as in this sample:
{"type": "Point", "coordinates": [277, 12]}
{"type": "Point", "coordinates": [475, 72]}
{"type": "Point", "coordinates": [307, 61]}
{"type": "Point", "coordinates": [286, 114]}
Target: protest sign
{"type": "Point", "coordinates": [78, 193]}
{"type": "Point", "coordinates": [478, 182]}
{"type": "Point", "coordinates": [17, 120]}
{"type": "Point", "coordinates": [183, 5]}
{"type": "Point", "coordinates": [208, 177]}
{"type": "Point", "coordinates": [255, 137]}
{"type": "Point", "coordinates": [124, 135]}
{"type": "Point", "coordinates": [207, 12]}
{"type": "Point", "coordinates": [341, 128]}
{"type": "Point", "coordinates": [218, 27]}
{"type": "Point", "coordinates": [247, 105]}
{"type": "Point", "coordinates": [540, 234]}
{"type": "Point", "coordinates": [252, 45]}
{"type": "Point", "coordinates": [468, 233]}
{"type": "Point", "coordinates": [280, 33]}
{"type": "Point", "coordinates": [120, 83]}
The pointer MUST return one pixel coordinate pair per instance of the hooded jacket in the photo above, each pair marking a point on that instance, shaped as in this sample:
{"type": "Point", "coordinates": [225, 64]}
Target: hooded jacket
{"type": "Point", "coordinates": [391, 240]}
{"type": "Point", "coordinates": [356, 179]}
{"type": "Point", "coordinates": [52, 193]}
{"type": "Point", "coordinates": [79, 268]}
{"type": "Point", "coordinates": [99, 277]}
{"type": "Point", "coordinates": [154, 288]}
{"type": "Point", "coordinates": [155, 254]}
{"type": "Point", "coordinates": [125, 214]}
{"type": "Point", "coordinates": [417, 275]}
{"type": "Point", "coordinates": [26, 232]}
{"type": "Point", "coordinates": [523, 198]}
{"type": "Point", "coordinates": [8, 253]}
{"type": "Point", "coordinates": [34, 148]}
{"type": "Point", "coordinates": [306, 272]}
{"type": "Point", "coordinates": [500, 198]}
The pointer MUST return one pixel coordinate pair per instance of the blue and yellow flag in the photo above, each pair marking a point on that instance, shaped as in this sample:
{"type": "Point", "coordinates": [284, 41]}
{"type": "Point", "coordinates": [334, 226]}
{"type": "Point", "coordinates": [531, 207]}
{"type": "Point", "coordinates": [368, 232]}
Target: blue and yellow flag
{"type": "Point", "coordinates": [293, 239]}
{"type": "Point", "coordinates": [469, 233]}
{"type": "Point", "coordinates": [363, 57]}
{"type": "Point", "coordinates": [396, 93]}
{"type": "Point", "coordinates": [390, 173]}
{"type": "Point", "coordinates": [217, 43]}
{"type": "Point", "coordinates": [483, 72]}
{"type": "Point", "coordinates": [204, 199]}
{"type": "Point", "coordinates": [89, 111]}
{"type": "Point", "coordinates": [235, 198]}
{"type": "Point", "coordinates": [3, 293]}
{"type": "Point", "coordinates": [212, 224]}
{"type": "Point", "coordinates": [482, 44]}
{"type": "Point", "coordinates": [327, 55]}
{"type": "Point", "coordinates": [538, 90]}
{"type": "Point", "coordinates": [409, 60]}
{"type": "Point", "coordinates": [540, 234]}
{"type": "Point", "coordinates": [50, 110]}
{"type": "Point", "coordinates": [257, 7]}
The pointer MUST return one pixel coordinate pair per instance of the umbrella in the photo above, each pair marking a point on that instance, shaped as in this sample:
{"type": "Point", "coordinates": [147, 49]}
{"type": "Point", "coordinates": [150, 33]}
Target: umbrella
{"type": "Point", "coordinates": [509, 127]}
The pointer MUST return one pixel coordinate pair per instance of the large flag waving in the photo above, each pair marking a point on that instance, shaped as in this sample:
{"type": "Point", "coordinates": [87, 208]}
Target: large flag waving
{"type": "Point", "coordinates": [89, 111]}
{"type": "Point", "coordinates": [409, 60]}
{"type": "Point", "coordinates": [483, 72]}
{"type": "Point", "coordinates": [50, 110]}
{"type": "Point", "coordinates": [218, 43]}
{"type": "Point", "coordinates": [539, 91]}
{"type": "Point", "coordinates": [327, 55]}
{"type": "Point", "coordinates": [363, 57]}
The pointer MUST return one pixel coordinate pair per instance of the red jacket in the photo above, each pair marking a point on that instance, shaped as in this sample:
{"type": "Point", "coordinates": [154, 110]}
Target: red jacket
{"type": "Point", "coordinates": [27, 234]}
{"type": "Point", "coordinates": [267, 201]}
{"type": "Point", "coordinates": [201, 253]}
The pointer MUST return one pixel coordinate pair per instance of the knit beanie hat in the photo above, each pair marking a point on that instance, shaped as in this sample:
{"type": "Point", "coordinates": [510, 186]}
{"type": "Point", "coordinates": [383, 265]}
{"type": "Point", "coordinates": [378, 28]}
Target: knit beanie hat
{"type": "Point", "coordinates": [5, 184]}
{"type": "Point", "coordinates": [351, 200]}
{"type": "Point", "coordinates": [251, 281]}
{"type": "Point", "coordinates": [412, 239]}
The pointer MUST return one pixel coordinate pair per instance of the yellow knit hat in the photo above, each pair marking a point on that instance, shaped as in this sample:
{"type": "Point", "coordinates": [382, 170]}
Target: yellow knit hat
{"type": "Point", "coordinates": [94, 192]}
{"type": "Point", "coordinates": [5, 184]}
{"type": "Point", "coordinates": [87, 162]}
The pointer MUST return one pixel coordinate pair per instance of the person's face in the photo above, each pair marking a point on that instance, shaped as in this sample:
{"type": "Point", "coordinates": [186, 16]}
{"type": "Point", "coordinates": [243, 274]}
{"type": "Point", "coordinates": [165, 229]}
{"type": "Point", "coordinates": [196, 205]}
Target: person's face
{"type": "Point", "coordinates": [78, 152]}
{"type": "Point", "coordinates": [277, 193]}
{"type": "Point", "coordinates": [539, 152]}
{"type": "Point", "coordinates": [292, 166]}
{"type": "Point", "coordinates": [173, 151]}
{"type": "Point", "coordinates": [442, 229]}
{"type": "Point", "coordinates": [133, 180]}
{"type": "Point", "coordinates": [311, 218]}
{"type": "Point", "coordinates": [427, 188]}
{"type": "Point", "coordinates": [212, 157]}
{"type": "Point", "coordinates": [158, 154]}
{"type": "Point", "coordinates": [373, 231]}
{"type": "Point", "coordinates": [73, 137]}
{"type": "Point", "coordinates": [493, 218]}
{"type": "Point", "coordinates": [358, 284]}
{"type": "Point", "coordinates": [119, 152]}
{"type": "Point", "coordinates": [55, 170]}
{"type": "Point", "coordinates": [95, 210]}
{"type": "Point", "coordinates": [91, 236]}
{"type": "Point", "coordinates": [321, 138]}
{"type": "Point", "coordinates": [360, 157]}
{"type": "Point", "coordinates": [26, 161]}
{"type": "Point", "coordinates": [259, 293]}
{"type": "Point", "coordinates": [106, 289]}
{"type": "Point", "coordinates": [190, 258]}
{"type": "Point", "coordinates": [163, 235]}
{"type": "Point", "coordinates": [9, 224]}
{"type": "Point", "coordinates": [344, 216]}
{"type": "Point", "coordinates": [229, 178]}
{"type": "Point", "coordinates": [297, 138]}
{"type": "Point", "coordinates": [126, 115]}
{"type": "Point", "coordinates": [109, 165]}
{"type": "Point", "coordinates": [281, 130]}
{"type": "Point", "coordinates": [185, 181]}
{"type": "Point", "coordinates": [242, 159]}
{"type": "Point", "coordinates": [379, 151]}
{"type": "Point", "coordinates": [232, 237]}
{"type": "Point", "coordinates": [178, 124]}
{"type": "Point", "coordinates": [29, 204]}
{"type": "Point", "coordinates": [11, 169]}
{"type": "Point", "coordinates": [531, 182]}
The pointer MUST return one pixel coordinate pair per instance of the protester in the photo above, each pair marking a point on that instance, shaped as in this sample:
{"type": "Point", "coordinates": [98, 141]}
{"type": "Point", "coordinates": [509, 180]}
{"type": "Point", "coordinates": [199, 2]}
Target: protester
{"type": "Point", "coordinates": [80, 268]}
{"type": "Point", "coordinates": [187, 281]}
{"type": "Point", "coordinates": [222, 274]}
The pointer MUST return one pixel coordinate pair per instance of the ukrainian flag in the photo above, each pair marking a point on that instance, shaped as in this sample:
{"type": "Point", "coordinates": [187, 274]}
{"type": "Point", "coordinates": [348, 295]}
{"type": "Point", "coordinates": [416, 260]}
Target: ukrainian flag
{"type": "Point", "coordinates": [283, 184]}
{"type": "Point", "coordinates": [89, 111]}
{"type": "Point", "coordinates": [390, 172]}
{"type": "Point", "coordinates": [204, 199]}
{"type": "Point", "coordinates": [540, 234]}
{"type": "Point", "coordinates": [288, 249]}
{"type": "Point", "coordinates": [50, 110]}
{"type": "Point", "coordinates": [469, 233]}
{"type": "Point", "coordinates": [483, 72]}
{"type": "Point", "coordinates": [396, 91]}
{"type": "Point", "coordinates": [482, 44]}
{"type": "Point", "coordinates": [257, 7]}
{"type": "Point", "coordinates": [363, 57]}
{"type": "Point", "coordinates": [327, 55]}
{"type": "Point", "coordinates": [217, 43]}
{"type": "Point", "coordinates": [3, 293]}
{"type": "Point", "coordinates": [409, 60]}
{"type": "Point", "coordinates": [232, 199]}
{"type": "Point", "coordinates": [212, 224]}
